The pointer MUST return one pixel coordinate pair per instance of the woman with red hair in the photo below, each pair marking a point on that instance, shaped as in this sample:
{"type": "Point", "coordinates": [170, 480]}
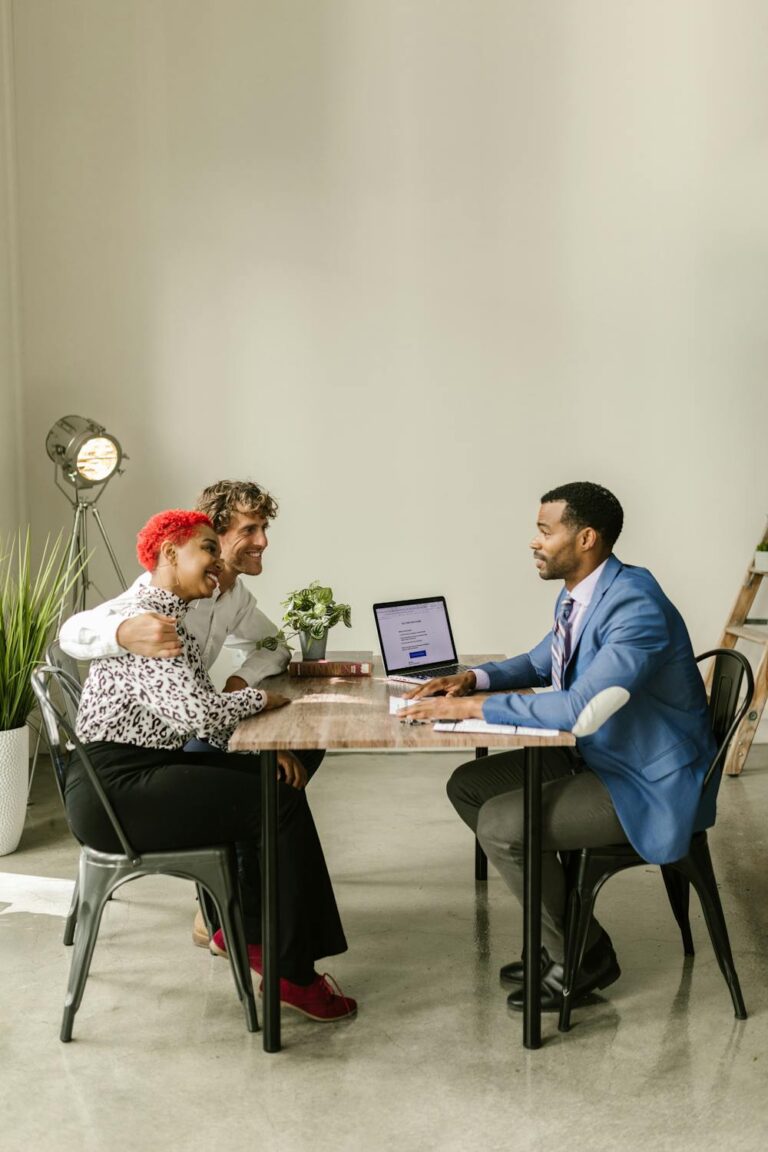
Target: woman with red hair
{"type": "Point", "coordinates": [176, 526]}
{"type": "Point", "coordinates": [135, 716]}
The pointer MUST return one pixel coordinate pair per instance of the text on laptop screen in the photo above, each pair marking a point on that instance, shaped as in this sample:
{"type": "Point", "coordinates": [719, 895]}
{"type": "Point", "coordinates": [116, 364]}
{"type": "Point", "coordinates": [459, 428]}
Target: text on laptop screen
{"type": "Point", "coordinates": [414, 634]}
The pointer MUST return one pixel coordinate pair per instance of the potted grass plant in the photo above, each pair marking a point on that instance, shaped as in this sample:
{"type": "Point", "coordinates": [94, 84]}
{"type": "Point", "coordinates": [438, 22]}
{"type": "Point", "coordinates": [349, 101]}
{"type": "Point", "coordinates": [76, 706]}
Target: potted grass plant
{"type": "Point", "coordinates": [31, 598]}
{"type": "Point", "coordinates": [761, 557]}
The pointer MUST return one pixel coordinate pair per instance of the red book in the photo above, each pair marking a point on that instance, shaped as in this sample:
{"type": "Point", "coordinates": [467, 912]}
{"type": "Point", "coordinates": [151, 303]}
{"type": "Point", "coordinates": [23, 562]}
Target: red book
{"type": "Point", "coordinates": [336, 664]}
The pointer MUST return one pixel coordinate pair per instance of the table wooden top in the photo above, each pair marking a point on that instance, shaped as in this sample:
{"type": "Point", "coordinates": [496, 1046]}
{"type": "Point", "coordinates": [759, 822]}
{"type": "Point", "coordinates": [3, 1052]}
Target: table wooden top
{"type": "Point", "coordinates": [353, 712]}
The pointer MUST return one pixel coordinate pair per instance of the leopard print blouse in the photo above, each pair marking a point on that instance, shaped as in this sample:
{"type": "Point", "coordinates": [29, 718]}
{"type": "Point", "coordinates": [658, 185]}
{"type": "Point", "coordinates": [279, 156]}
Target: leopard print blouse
{"type": "Point", "coordinates": [160, 703]}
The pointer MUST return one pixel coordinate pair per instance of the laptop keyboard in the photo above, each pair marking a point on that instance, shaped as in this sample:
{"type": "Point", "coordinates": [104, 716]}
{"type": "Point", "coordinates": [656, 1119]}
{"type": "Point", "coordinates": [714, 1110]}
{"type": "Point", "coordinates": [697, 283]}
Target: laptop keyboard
{"type": "Point", "coordinates": [433, 673]}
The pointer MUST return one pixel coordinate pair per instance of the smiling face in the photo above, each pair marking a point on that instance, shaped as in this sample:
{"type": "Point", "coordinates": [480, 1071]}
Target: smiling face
{"type": "Point", "coordinates": [562, 551]}
{"type": "Point", "coordinates": [243, 543]}
{"type": "Point", "coordinates": [193, 566]}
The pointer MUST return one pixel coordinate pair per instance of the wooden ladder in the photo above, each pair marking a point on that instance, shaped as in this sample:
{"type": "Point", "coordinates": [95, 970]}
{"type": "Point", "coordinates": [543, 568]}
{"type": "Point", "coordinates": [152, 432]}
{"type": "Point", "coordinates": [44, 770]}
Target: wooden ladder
{"type": "Point", "coordinates": [742, 627]}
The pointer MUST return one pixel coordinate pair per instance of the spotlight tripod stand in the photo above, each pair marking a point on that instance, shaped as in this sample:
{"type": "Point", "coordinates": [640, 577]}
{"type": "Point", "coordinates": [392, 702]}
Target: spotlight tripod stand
{"type": "Point", "coordinates": [85, 500]}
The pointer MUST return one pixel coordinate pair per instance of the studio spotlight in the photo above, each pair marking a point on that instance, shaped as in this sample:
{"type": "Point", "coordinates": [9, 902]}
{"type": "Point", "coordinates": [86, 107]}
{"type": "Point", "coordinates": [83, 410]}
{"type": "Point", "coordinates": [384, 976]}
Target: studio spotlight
{"type": "Point", "coordinates": [84, 451]}
{"type": "Point", "coordinates": [86, 457]}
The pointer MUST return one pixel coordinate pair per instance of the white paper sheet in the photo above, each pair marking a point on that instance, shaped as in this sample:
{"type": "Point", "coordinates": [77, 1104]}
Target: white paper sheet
{"type": "Point", "coordinates": [480, 726]}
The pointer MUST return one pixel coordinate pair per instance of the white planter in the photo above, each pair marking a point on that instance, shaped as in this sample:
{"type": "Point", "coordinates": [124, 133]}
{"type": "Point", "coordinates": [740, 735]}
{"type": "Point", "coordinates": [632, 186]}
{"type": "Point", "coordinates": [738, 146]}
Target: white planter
{"type": "Point", "coordinates": [14, 782]}
{"type": "Point", "coordinates": [761, 562]}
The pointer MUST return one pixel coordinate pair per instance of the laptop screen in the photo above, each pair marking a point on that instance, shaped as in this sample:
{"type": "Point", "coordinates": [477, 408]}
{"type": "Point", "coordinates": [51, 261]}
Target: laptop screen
{"type": "Point", "coordinates": [414, 633]}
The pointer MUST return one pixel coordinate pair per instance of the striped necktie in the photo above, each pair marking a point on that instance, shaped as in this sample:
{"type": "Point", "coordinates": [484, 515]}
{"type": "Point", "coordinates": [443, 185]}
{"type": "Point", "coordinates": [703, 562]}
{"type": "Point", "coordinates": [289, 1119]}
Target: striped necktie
{"type": "Point", "coordinates": [561, 642]}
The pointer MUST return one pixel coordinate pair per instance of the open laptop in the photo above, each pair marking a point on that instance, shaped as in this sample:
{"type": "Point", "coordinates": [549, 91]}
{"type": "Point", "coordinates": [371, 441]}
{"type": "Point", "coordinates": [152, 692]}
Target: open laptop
{"type": "Point", "coordinates": [416, 639]}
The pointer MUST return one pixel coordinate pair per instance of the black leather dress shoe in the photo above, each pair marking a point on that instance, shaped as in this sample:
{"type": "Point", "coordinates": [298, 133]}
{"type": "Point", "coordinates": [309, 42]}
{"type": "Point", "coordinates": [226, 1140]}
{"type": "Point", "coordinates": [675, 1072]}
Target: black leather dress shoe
{"type": "Point", "coordinates": [512, 974]}
{"type": "Point", "coordinates": [600, 973]}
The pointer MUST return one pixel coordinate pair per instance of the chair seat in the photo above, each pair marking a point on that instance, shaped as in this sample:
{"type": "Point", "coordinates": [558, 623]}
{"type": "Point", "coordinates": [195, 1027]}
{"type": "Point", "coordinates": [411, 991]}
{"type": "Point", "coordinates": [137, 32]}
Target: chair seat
{"type": "Point", "coordinates": [621, 851]}
{"type": "Point", "coordinates": [181, 862]}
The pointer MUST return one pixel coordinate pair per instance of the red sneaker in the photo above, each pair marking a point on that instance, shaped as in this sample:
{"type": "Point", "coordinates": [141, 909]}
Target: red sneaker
{"type": "Point", "coordinates": [321, 1000]}
{"type": "Point", "coordinates": [219, 948]}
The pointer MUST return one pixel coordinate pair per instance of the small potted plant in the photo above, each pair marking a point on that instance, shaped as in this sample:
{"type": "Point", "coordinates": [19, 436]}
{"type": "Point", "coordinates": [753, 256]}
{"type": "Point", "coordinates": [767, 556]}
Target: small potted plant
{"type": "Point", "coordinates": [311, 612]}
{"type": "Point", "coordinates": [761, 557]}
{"type": "Point", "coordinates": [30, 604]}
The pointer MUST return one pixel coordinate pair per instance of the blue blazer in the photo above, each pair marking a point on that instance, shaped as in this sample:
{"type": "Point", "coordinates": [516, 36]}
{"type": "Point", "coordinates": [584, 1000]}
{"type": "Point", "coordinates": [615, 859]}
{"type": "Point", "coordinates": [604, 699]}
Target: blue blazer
{"type": "Point", "coordinates": [653, 753]}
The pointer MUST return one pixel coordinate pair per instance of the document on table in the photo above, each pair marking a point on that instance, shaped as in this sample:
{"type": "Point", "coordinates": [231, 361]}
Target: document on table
{"type": "Point", "coordinates": [478, 726]}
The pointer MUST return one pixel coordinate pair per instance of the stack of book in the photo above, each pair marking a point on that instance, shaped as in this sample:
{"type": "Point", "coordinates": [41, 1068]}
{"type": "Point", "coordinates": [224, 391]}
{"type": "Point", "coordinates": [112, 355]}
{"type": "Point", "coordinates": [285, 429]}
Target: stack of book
{"type": "Point", "coordinates": [336, 664]}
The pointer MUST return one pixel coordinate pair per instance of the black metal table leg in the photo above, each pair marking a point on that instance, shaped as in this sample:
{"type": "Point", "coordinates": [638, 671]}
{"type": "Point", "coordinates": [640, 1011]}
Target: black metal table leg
{"type": "Point", "coordinates": [481, 860]}
{"type": "Point", "coordinates": [269, 903]}
{"type": "Point", "coordinates": [532, 900]}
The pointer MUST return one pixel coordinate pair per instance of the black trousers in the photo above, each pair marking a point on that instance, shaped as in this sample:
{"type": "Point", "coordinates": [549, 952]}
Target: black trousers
{"type": "Point", "coordinates": [175, 799]}
{"type": "Point", "coordinates": [248, 852]}
{"type": "Point", "coordinates": [577, 812]}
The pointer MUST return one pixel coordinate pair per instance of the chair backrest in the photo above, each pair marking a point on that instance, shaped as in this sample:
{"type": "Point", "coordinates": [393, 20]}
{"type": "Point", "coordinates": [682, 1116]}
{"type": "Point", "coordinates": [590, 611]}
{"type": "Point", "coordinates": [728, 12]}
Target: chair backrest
{"type": "Point", "coordinates": [55, 655]}
{"type": "Point", "coordinates": [61, 696]}
{"type": "Point", "coordinates": [726, 711]}
{"type": "Point", "coordinates": [57, 693]}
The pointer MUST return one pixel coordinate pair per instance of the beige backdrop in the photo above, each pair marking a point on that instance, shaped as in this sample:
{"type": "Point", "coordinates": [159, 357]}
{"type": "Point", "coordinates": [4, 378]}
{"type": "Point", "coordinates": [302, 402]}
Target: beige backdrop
{"type": "Point", "coordinates": [408, 264]}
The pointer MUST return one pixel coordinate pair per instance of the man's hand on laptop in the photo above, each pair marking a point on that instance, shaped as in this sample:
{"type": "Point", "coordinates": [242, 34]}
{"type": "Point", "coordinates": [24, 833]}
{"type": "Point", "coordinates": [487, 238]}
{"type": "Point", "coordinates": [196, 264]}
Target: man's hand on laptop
{"type": "Point", "coordinates": [444, 708]}
{"type": "Point", "coordinates": [150, 634]}
{"type": "Point", "coordinates": [462, 684]}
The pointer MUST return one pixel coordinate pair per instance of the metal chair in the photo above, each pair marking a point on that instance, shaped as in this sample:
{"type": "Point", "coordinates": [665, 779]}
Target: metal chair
{"type": "Point", "coordinates": [100, 873]}
{"type": "Point", "coordinates": [591, 867]}
{"type": "Point", "coordinates": [70, 701]}
{"type": "Point", "coordinates": [55, 654]}
{"type": "Point", "coordinates": [70, 689]}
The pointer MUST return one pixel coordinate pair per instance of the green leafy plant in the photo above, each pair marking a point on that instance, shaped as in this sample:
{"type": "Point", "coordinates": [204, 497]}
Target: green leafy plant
{"type": "Point", "coordinates": [30, 602]}
{"type": "Point", "coordinates": [762, 547]}
{"type": "Point", "coordinates": [311, 610]}
{"type": "Point", "coordinates": [314, 610]}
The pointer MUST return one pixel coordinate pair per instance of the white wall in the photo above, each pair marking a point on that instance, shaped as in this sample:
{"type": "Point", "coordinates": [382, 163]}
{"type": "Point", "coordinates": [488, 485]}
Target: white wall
{"type": "Point", "coordinates": [11, 459]}
{"type": "Point", "coordinates": [409, 264]}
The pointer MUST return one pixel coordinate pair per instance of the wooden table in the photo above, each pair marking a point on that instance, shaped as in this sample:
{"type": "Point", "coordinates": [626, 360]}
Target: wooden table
{"type": "Point", "coordinates": [353, 713]}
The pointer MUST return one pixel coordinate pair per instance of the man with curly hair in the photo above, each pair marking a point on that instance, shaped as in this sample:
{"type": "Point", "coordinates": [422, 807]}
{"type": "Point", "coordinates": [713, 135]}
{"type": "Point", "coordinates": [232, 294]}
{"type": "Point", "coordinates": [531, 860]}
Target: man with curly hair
{"type": "Point", "coordinates": [241, 512]}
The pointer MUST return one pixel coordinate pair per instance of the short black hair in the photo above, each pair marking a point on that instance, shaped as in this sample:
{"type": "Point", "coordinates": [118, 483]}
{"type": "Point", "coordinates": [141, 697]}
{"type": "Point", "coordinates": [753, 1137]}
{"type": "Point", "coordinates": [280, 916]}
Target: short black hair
{"type": "Point", "coordinates": [589, 505]}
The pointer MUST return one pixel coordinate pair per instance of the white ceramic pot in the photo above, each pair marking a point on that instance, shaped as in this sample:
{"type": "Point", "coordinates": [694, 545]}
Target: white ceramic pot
{"type": "Point", "coordinates": [761, 562]}
{"type": "Point", "coordinates": [14, 782]}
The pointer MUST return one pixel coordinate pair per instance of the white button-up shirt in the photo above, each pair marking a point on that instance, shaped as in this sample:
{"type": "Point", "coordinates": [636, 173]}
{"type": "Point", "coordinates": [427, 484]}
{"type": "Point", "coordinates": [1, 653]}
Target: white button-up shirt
{"type": "Point", "coordinates": [230, 620]}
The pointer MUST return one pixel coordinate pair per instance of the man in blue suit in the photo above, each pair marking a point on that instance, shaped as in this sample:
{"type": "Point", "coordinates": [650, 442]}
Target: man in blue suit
{"type": "Point", "coordinates": [624, 680]}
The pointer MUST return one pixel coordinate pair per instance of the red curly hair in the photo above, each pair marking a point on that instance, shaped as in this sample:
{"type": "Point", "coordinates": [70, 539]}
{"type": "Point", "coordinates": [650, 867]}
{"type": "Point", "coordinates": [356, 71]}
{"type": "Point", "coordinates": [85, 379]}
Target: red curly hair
{"type": "Point", "coordinates": [176, 525]}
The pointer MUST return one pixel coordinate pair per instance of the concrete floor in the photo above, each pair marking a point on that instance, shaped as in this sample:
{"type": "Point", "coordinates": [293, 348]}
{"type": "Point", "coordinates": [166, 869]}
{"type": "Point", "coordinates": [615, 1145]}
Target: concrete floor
{"type": "Point", "coordinates": [161, 1060]}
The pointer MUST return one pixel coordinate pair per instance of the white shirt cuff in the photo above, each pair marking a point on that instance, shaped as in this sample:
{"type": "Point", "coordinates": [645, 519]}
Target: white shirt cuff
{"type": "Point", "coordinates": [482, 680]}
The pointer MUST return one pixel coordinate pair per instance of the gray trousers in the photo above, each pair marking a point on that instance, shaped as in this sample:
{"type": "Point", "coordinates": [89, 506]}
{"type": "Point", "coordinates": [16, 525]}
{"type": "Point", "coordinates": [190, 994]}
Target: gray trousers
{"type": "Point", "coordinates": [577, 812]}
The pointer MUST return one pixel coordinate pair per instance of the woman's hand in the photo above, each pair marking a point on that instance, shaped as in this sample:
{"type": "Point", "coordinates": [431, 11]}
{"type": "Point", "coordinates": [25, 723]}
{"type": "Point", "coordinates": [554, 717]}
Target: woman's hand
{"type": "Point", "coordinates": [291, 770]}
{"type": "Point", "coordinates": [274, 700]}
